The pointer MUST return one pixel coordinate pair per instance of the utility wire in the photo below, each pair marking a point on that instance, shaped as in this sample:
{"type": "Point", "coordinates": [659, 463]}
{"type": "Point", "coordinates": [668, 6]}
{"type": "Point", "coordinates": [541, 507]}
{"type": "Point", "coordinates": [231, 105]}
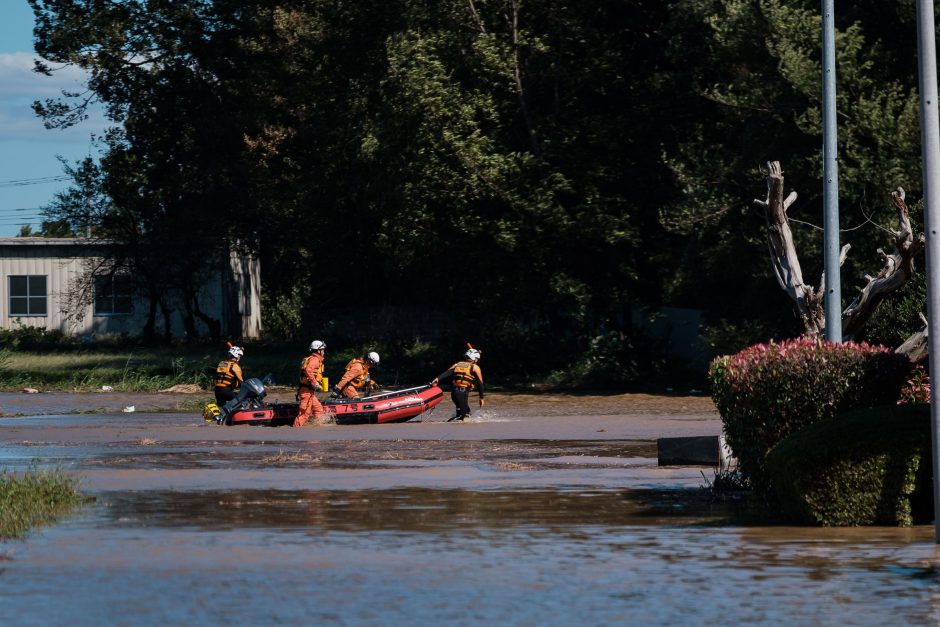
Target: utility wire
{"type": "Point", "coordinates": [36, 181]}
{"type": "Point", "coordinates": [18, 215]}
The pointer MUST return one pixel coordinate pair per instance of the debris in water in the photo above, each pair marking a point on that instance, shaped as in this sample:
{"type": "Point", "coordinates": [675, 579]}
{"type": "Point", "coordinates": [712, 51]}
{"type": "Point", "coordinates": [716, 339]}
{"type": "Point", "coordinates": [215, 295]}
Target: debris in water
{"type": "Point", "coordinates": [30, 391]}
{"type": "Point", "coordinates": [129, 409]}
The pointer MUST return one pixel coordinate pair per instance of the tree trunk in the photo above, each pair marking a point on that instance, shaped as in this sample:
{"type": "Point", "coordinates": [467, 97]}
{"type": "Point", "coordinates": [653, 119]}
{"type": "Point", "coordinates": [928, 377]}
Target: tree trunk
{"type": "Point", "coordinates": [167, 323]}
{"type": "Point", "coordinates": [786, 263]}
{"type": "Point", "coordinates": [150, 326]}
{"type": "Point", "coordinates": [897, 270]}
{"type": "Point", "coordinates": [214, 326]}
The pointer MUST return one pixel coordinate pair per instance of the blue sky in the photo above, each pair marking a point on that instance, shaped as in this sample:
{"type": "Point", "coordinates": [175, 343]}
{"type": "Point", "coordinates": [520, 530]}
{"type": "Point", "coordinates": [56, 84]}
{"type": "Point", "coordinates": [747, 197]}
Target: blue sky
{"type": "Point", "coordinates": [28, 151]}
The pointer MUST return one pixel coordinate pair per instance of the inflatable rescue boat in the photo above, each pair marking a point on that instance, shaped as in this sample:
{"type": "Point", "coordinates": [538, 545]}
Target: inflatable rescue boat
{"type": "Point", "coordinates": [248, 407]}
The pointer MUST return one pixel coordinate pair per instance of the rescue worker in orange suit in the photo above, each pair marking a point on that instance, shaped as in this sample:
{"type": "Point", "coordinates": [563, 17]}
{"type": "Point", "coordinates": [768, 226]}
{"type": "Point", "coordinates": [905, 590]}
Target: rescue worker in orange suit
{"type": "Point", "coordinates": [466, 376]}
{"type": "Point", "coordinates": [311, 376]}
{"type": "Point", "coordinates": [357, 376]}
{"type": "Point", "coordinates": [228, 376]}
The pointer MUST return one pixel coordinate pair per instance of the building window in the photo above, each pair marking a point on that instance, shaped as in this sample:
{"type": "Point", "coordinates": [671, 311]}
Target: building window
{"type": "Point", "coordinates": [28, 295]}
{"type": "Point", "coordinates": [113, 295]}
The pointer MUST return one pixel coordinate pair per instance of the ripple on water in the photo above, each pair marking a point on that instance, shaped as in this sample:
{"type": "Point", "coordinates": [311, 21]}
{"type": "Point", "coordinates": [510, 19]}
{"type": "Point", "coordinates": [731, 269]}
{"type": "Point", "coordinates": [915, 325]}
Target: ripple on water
{"type": "Point", "coordinates": [523, 557]}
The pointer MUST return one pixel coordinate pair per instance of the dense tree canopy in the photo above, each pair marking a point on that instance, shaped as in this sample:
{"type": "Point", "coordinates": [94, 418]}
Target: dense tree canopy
{"type": "Point", "coordinates": [541, 168]}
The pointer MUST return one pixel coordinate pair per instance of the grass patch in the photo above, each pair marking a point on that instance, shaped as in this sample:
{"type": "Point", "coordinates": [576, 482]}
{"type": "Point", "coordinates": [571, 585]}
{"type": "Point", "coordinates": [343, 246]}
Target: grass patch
{"type": "Point", "coordinates": [35, 498]}
{"type": "Point", "coordinates": [71, 368]}
{"type": "Point", "coordinates": [727, 485]}
{"type": "Point", "coordinates": [127, 370]}
{"type": "Point", "coordinates": [195, 404]}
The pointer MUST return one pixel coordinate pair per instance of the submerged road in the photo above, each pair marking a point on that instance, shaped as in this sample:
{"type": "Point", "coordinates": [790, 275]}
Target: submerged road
{"type": "Point", "coordinates": [517, 441]}
{"type": "Point", "coordinates": [542, 510]}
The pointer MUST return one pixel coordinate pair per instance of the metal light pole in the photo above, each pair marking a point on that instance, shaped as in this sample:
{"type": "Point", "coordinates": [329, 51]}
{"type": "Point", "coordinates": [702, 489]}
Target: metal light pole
{"type": "Point", "coordinates": [930, 149]}
{"type": "Point", "coordinates": [833, 297]}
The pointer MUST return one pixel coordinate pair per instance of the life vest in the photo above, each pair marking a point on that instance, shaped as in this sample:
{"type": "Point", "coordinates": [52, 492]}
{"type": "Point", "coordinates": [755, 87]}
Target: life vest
{"type": "Point", "coordinates": [227, 374]}
{"type": "Point", "coordinates": [463, 375]}
{"type": "Point", "coordinates": [304, 380]}
{"type": "Point", "coordinates": [360, 381]}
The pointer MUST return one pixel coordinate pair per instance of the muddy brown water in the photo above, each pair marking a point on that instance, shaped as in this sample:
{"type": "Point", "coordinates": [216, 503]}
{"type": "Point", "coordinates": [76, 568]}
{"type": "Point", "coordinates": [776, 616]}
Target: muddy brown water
{"type": "Point", "coordinates": [540, 511]}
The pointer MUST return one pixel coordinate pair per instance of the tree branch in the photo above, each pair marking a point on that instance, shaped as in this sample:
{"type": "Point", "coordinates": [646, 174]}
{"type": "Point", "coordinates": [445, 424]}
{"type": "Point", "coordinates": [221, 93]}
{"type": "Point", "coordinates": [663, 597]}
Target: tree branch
{"type": "Point", "coordinates": [476, 17]}
{"type": "Point", "coordinates": [897, 270]}
{"type": "Point", "coordinates": [786, 262]}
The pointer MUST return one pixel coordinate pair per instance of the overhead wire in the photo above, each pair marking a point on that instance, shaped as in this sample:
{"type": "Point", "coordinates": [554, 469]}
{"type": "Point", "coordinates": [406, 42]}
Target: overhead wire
{"type": "Point", "coordinates": [35, 181]}
{"type": "Point", "coordinates": [11, 216]}
{"type": "Point", "coordinates": [21, 214]}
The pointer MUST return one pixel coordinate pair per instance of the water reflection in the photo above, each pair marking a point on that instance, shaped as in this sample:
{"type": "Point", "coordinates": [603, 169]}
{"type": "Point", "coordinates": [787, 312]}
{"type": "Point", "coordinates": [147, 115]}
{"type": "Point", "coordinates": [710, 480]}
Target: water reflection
{"type": "Point", "coordinates": [527, 557]}
{"type": "Point", "coordinates": [413, 510]}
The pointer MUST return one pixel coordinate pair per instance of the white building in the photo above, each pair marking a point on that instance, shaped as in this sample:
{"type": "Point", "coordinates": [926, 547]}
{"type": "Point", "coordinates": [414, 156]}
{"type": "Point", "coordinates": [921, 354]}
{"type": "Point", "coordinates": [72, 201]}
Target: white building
{"type": "Point", "coordinates": [37, 274]}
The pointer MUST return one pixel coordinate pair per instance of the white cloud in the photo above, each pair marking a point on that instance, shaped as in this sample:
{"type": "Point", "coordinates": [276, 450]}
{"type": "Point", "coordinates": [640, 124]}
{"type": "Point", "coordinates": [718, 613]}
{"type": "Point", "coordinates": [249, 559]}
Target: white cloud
{"type": "Point", "coordinates": [20, 86]}
{"type": "Point", "coordinates": [17, 78]}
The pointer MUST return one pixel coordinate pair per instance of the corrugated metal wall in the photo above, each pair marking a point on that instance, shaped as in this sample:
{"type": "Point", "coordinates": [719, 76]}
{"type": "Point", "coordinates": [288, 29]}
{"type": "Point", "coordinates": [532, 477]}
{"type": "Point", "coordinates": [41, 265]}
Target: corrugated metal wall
{"type": "Point", "coordinates": [62, 262]}
{"type": "Point", "coordinates": [60, 270]}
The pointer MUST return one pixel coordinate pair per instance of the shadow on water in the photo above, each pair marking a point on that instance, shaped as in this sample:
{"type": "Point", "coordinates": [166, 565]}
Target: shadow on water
{"type": "Point", "coordinates": [414, 510]}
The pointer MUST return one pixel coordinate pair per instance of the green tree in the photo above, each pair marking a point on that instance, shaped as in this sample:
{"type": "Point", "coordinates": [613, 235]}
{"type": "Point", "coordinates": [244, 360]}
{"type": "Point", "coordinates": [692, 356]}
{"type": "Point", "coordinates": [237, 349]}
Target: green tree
{"type": "Point", "coordinates": [753, 72]}
{"type": "Point", "coordinates": [542, 169]}
{"type": "Point", "coordinates": [170, 160]}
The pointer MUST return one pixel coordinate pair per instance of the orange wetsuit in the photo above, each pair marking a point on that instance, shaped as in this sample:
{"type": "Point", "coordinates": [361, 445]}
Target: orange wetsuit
{"type": "Point", "coordinates": [355, 378]}
{"type": "Point", "coordinates": [311, 373]}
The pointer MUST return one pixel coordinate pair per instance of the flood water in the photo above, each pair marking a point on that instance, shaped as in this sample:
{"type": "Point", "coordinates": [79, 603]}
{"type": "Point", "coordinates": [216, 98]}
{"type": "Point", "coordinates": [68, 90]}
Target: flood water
{"type": "Point", "coordinates": [425, 524]}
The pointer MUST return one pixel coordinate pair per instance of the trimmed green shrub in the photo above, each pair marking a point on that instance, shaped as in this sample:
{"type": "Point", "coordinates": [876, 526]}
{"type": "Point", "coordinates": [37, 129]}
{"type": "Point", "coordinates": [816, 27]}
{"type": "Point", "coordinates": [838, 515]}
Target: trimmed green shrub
{"type": "Point", "coordinates": [869, 467]}
{"type": "Point", "coordinates": [768, 391]}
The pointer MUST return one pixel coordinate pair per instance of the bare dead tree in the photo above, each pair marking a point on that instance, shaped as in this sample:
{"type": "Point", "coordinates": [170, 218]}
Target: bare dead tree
{"type": "Point", "coordinates": [786, 263]}
{"type": "Point", "coordinates": [897, 270]}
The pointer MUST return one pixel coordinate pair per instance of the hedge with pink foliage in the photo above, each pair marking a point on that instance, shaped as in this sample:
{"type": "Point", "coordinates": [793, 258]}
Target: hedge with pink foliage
{"type": "Point", "coordinates": [768, 391]}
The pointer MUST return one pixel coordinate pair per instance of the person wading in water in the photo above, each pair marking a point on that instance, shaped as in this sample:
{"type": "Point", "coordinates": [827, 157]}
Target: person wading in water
{"type": "Point", "coordinates": [466, 376]}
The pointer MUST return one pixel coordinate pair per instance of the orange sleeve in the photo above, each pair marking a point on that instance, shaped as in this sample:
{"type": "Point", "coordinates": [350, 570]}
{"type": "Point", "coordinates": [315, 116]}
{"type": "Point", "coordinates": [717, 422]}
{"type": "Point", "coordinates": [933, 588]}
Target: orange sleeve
{"type": "Point", "coordinates": [313, 364]}
{"type": "Point", "coordinates": [354, 371]}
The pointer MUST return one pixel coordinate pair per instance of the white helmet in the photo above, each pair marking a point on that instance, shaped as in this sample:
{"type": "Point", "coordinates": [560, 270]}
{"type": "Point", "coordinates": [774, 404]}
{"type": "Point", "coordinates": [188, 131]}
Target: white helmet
{"type": "Point", "coordinates": [317, 345]}
{"type": "Point", "coordinates": [373, 357]}
{"type": "Point", "coordinates": [473, 354]}
{"type": "Point", "coordinates": [236, 352]}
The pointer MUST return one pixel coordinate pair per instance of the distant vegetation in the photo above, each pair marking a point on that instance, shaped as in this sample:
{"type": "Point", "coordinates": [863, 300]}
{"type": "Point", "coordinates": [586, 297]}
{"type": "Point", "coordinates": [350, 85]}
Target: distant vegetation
{"type": "Point", "coordinates": [537, 171]}
{"type": "Point", "coordinates": [32, 357]}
